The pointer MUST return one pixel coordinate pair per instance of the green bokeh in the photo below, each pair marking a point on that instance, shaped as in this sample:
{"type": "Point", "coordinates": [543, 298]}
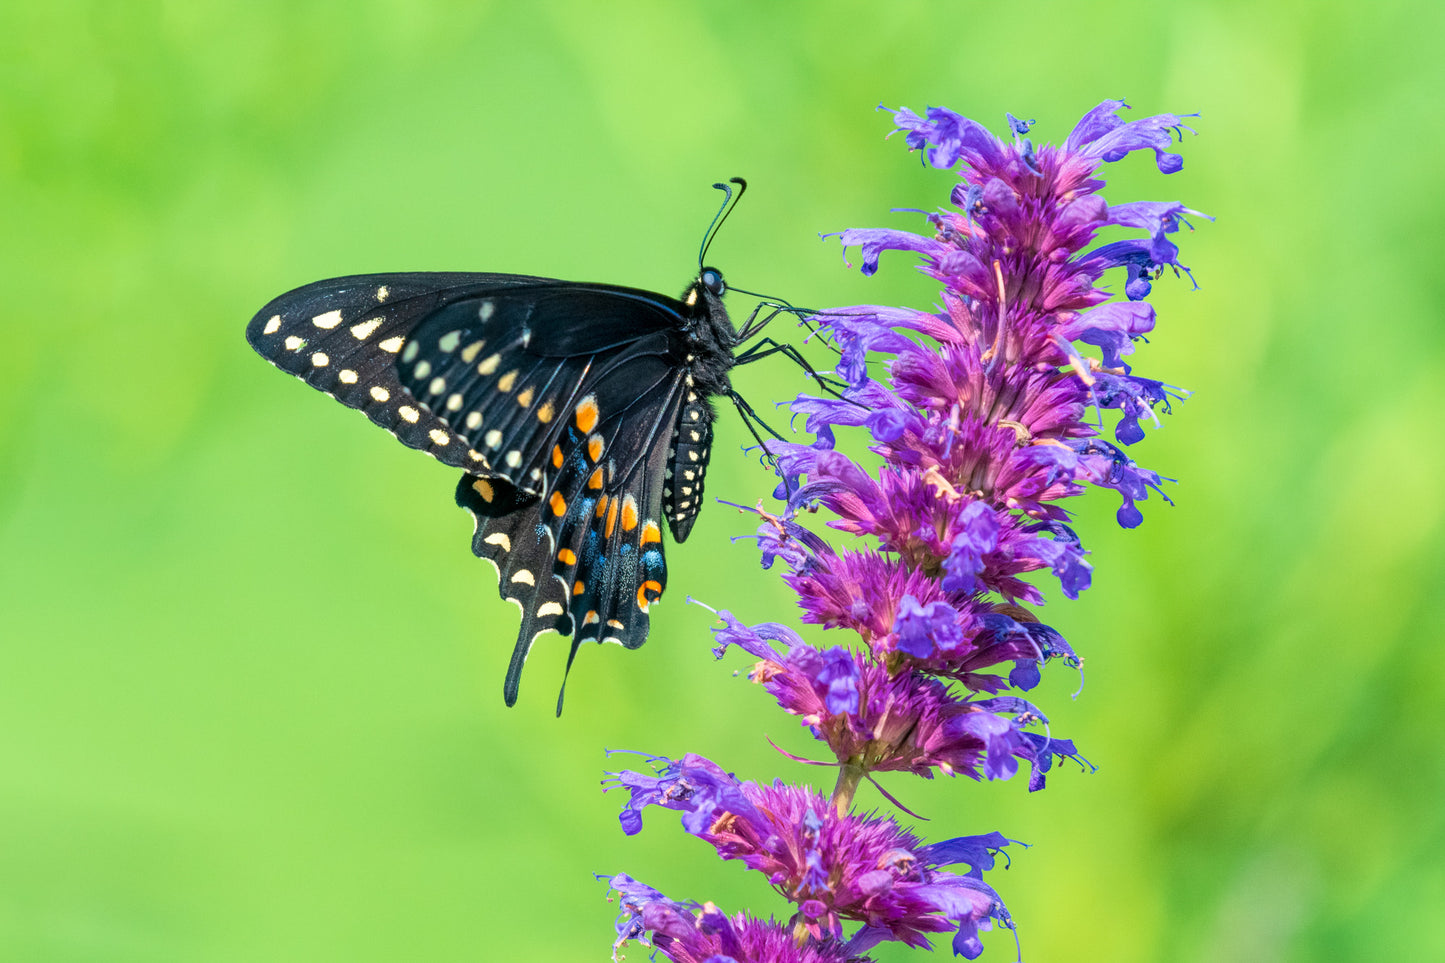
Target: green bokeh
{"type": "Point", "coordinates": [250, 674]}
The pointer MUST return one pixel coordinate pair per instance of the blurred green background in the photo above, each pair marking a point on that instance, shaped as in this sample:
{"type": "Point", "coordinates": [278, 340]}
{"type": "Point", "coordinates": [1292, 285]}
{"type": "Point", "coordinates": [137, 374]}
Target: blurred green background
{"type": "Point", "coordinates": [250, 672]}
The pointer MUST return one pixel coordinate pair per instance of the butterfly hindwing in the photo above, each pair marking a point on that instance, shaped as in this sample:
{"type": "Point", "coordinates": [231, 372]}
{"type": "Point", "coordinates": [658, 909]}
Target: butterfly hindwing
{"type": "Point", "coordinates": [590, 562]}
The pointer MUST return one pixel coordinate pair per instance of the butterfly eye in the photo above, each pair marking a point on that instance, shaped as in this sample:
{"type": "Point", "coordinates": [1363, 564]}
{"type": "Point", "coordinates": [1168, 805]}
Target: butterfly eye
{"type": "Point", "coordinates": [713, 281]}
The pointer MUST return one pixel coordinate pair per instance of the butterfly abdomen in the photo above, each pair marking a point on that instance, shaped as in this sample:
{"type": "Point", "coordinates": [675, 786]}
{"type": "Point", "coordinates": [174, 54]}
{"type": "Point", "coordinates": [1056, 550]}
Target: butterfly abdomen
{"type": "Point", "coordinates": [687, 464]}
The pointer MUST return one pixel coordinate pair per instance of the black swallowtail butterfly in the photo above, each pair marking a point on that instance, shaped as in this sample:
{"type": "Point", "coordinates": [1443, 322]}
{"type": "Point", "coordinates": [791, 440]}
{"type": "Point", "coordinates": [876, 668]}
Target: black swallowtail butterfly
{"type": "Point", "coordinates": [580, 414]}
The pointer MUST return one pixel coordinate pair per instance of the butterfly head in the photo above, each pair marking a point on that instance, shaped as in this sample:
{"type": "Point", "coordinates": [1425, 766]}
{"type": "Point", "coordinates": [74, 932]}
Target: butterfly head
{"type": "Point", "coordinates": [711, 280]}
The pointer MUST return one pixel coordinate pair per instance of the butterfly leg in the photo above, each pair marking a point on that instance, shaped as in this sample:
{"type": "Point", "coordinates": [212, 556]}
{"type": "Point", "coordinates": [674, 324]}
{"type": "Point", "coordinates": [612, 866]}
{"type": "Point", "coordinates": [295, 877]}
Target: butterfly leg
{"type": "Point", "coordinates": [766, 347]}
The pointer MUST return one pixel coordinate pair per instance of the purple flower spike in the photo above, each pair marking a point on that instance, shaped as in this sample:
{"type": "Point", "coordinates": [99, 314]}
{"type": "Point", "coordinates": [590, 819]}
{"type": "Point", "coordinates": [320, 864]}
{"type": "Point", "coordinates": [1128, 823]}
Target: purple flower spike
{"type": "Point", "coordinates": [979, 417]}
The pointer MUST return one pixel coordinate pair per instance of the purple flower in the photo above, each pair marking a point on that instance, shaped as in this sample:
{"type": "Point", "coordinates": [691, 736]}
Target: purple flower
{"type": "Point", "coordinates": [702, 933]}
{"type": "Point", "coordinates": [875, 720]}
{"type": "Point", "coordinates": [833, 866]}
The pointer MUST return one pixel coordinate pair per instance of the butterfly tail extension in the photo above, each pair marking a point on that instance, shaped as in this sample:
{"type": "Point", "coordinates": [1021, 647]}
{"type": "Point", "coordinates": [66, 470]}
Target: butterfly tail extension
{"type": "Point", "coordinates": [520, 551]}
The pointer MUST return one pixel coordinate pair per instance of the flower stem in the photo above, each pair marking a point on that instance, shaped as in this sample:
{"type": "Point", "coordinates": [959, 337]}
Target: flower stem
{"type": "Point", "coordinates": [849, 775]}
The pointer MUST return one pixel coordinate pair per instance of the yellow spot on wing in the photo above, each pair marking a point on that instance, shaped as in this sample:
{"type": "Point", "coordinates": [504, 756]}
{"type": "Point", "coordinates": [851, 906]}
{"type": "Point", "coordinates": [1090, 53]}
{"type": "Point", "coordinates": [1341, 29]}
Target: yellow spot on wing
{"type": "Point", "coordinates": [613, 623]}
{"type": "Point", "coordinates": [382, 292]}
{"type": "Point", "coordinates": [525, 398]}
{"type": "Point", "coordinates": [545, 413]}
{"type": "Point", "coordinates": [392, 345]}
{"type": "Point", "coordinates": [506, 381]}
{"type": "Point", "coordinates": [469, 353]}
{"type": "Point", "coordinates": [364, 330]}
{"type": "Point", "coordinates": [484, 488]}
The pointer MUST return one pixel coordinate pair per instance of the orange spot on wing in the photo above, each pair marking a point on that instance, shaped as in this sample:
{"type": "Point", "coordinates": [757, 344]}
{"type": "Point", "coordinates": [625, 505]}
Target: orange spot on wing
{"type": "Point", "coordinates": [595, 482]}
{"type": "Point", "coordinates": [601, 506]}
{"type": "Point", "coordinates": [649, 592]}
{"type": "Point", "coordinates": [484, 488]}
{"type": "Point", "coordinates": [611, 518]}
{"type": "Point", "coordinates": [558, 503]}
{"type": "Point", "coordinates": [650, 533]}
{"type": "Point", "coordinates": [629, 513]}
{"type": "Point", "coordinates": [587, 414]}
{"type": "Point", "coordinates": [594, 447]}
{"type": "Point", "coordinates": [590, 618]}
{"type": "Point", "coordinates": [556, 456]}
{"type": "Point", "coordinates": [578, 588]}
{"type": "Point", "coordinates": [567, 557]}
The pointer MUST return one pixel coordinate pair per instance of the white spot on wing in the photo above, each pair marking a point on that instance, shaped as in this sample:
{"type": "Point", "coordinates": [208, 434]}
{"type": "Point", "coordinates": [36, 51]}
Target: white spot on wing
{"type": "Point", "coordinates": [347, 376]}
{"type": "Point", "coordinates": [294, 343]}
{"type": "Point", "coordinates": [549, 608]}
{"type": "Point", "coordinates": [320, 360]}
{"type": "Point", "coordinates": [439, 437]}
{"type": "Point", "coordinates": [328, 320]}
{"type": "Point", "coordinates": [474, 420]}
{"type": "Point", "coordinates": [494, 439]}
{"type": "Point", "coordinates": [392, 345]}
{"type": "Point", "coordinates": [380, 393]}
{"type": "Point", "coordinates": [409, 413]}
{"type": "Point", "coordinates": [500, 538]}
{"type": "Point", "coordinates": [514, 458]}
{"type": "Point", "coordinates": [486, 310]}
{"type": "Point", "coordinates": [382, 293]}
{"type": "Point", "coordinates": [454, 403]}
{"type": "Point", "coordinates": [422, 369]}
{"type": "Point", "coordinates": [273, 325]}
{"type": "Point", "coordinates": [489, 365]}
{"type": "Point", "coordinates": [437, 386]}
{"type": "Point", "coordinates": [409, 355]}
{"type": "Point", "coordinates": [449, 341]}
{"type": "Point", "coordinates": [525, 577]}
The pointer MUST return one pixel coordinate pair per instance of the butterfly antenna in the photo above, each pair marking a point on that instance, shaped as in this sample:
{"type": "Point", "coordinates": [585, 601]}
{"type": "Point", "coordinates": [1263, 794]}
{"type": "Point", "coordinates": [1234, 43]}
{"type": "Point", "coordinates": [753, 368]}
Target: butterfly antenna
{"type": "Point", "coordinates": [729, 202]}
